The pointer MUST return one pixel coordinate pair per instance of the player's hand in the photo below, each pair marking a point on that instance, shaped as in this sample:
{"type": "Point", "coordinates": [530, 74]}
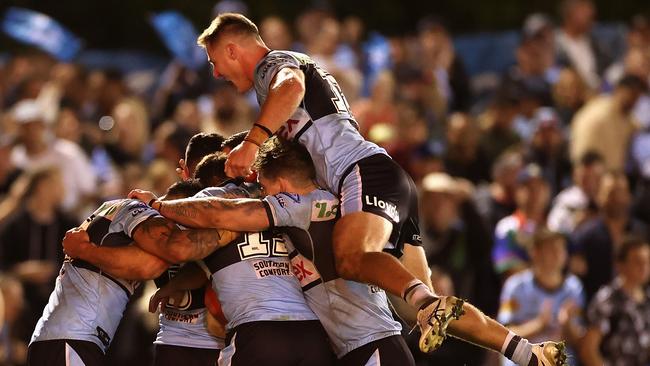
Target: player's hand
{"type": "Point", "coordinates": [75, 242]}
{"type": "Point", "coordinates": [568, 311]}
{"type": "Point", "coordinates": [165, 295]}
{"type": "Point", "coordinates": [142, 195]}
{"type": "Point", "coordinates": [182, 170]}
{"type": "Point", "coordinates": [241, 159]}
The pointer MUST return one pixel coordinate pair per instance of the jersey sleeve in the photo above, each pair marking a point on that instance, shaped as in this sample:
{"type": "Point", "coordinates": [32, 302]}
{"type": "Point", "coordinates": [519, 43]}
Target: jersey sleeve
{"type": "Point", "coordinates": [508, 303]}
{"type": "Point", "coordinates": [286, 209]}
{"type": "Point", "coordinates": [269, 67]}
{"type": "Point", "coordinates": [132, 214]}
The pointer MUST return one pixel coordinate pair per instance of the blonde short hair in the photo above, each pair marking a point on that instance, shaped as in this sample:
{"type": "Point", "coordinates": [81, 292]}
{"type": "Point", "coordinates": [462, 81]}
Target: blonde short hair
{"type": "Point", "coordinates": [227, 23]}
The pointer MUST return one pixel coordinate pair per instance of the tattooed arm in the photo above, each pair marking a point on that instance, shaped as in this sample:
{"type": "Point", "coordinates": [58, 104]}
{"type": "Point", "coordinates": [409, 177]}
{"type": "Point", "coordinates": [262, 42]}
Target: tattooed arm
{"type": "Point", "coordinates": [242, 214]}
{"type": "Point", "coordinates": [166, 240]}
{"type": "Point", "coordinates": [129, 262]}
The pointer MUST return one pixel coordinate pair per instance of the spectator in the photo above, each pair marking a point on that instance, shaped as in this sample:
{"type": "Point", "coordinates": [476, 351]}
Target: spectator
{"type": "Point", "coordinates": [497, 199]}
{"type": "Point", "coordinates": [36, 149]}
{"type": "Point", "coordinates": [13, 350]}
{"type": "Point", "coordinates": [605, 125]}
{"type": "Point", "coordinates": [497, 121]}
{"type": "Point", "coordinates": [570, 93]}
{"type": "Point", "coordinates": [576, 45]}
{"type": "Point", "coordinates": [596, 241]}
{"type": "Point", "coordinates": [229, 112]}
{"type": "Point", "coordinates": [441, 62]}
{"type": "Point", "coordinates": [276, 33]}
{"type": "Point", "coordinates": [619, 317]}
{"type": "Point", "coordinates": [452, 228]}
{"type": "Point", "coordinates": [30, 240]}
{"type": "Point", "coordinates": [543, 303]}
{"type": "Point", "coordinates": [8, 171]}
{"type": "Point", "coordinates": [513, 234]}
{"type": "Point", "coordinates": [463, 156]}
{"type": "Point", "coordinates": [128, 137]}
{"type": "Point", "coordinates": [549, 149]}
{"type": "Point", "coordinates": [571, 207]}
{"type": "Point", "coordinates": [380, 107]}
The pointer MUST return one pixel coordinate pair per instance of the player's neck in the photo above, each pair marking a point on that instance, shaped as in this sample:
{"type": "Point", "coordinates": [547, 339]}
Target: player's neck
{"type": "Point", "coordinates": [302, 187]}
{"type": "Point", "coordinates": [549, 280]}
{"type": "Point", "coordinates": [259, 51]}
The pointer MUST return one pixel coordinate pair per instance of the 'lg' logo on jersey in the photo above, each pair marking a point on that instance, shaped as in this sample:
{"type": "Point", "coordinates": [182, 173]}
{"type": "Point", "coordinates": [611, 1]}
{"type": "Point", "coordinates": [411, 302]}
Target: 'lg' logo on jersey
{"type": "Point", "coordinates": [389, 208]}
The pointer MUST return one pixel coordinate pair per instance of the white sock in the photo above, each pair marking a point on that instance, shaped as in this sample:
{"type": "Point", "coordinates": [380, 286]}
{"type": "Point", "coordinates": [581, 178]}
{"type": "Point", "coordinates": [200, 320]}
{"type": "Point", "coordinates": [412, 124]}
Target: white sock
{"type": "Point", "coordinates": [417, 293]}
{"type": "Point", "coordinates": [517, 349]}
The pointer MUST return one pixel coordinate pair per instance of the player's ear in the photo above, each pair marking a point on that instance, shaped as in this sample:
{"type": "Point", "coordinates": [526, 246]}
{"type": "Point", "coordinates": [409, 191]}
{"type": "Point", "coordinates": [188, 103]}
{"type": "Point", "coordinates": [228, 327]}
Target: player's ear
{"type": "Point", "coordinates": [231, 51]}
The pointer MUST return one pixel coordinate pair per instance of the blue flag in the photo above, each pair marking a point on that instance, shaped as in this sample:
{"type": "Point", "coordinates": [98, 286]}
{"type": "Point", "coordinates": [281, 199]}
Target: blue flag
{"type": "Point", "coordinates": [40, 30]}
{"type": "Point", "coordinates": [179, 36]}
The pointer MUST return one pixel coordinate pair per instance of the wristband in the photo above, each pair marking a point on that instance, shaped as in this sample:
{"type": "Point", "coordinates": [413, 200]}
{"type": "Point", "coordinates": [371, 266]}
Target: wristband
{"type": "Point", "coordinates": [152, 201]}
{"type": "Point", "coordinates": [248, 139]}
{"type": "Point", "coordinates": [264, 128]}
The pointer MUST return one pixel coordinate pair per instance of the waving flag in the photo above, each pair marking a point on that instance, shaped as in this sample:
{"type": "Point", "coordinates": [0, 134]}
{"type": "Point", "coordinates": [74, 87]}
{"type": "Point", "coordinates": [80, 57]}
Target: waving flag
{"type": "Point", "coordinates": [40, 30]}
{"type": "Point", "coordinates": [179, 36]}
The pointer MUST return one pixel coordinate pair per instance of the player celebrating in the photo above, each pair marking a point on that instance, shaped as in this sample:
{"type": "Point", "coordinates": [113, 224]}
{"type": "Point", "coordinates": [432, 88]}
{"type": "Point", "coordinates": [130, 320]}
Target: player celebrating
{"type": "Point", "coordinates": [307, 214]}
{"type": "Point", "coordinates": [268, 318]}
{"type": "Point", "coordinates": [301, 101]}
{"type": "Point", "coordinates": [91, 294]}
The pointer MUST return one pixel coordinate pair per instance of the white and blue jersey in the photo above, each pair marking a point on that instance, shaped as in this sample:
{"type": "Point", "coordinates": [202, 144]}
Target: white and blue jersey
{"type": "Point", "coordinates": [87, 304]}
{"type": "Point", "coordinates": [252, 275]}
{"type": "Point", "coordinates": [185, 324]}
{"type": "Point", "coordinates": [522, 299]}
{"type": "Point", "coordinates": [352, 313]}
{"type": "Point", "coordinates": [322, 122]}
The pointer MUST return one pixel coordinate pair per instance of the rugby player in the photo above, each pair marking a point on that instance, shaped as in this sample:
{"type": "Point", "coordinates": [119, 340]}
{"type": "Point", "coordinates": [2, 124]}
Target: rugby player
{"type": "Point", "coordinates": [307, 215]}
{"type": "Point", "coordinates": [301, 101]}
{"type": "Point", "coordinates": [92, 290]}
{"type": "Point", "coordinates": [269, 321]}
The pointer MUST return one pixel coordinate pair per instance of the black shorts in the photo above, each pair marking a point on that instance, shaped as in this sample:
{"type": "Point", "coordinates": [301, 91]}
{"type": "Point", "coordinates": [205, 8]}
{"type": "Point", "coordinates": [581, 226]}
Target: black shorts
{"type": "Point", "coordinates": [389, 351]}
{"type": "Point", "coordinates": [377, 184]}
{"type": "Point", "coordinates": [168, 355]}
{"type": "Point", "coordinates": [65, 352]}
{"type": "Point", "coordinates": [286, 343]}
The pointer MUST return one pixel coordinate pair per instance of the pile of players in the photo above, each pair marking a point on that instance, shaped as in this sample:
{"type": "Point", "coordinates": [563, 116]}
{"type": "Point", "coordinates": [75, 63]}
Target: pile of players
{"type": "Point", "coordinates": [303, 263]}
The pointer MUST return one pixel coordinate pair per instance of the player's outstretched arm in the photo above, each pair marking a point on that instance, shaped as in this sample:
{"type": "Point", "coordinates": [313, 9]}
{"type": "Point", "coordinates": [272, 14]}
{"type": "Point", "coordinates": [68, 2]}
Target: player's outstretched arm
{"type": "Point", "coordinates": [128, 262]}
{"type": "Point", "coordinates": [240, 214]}
{"type": "Point", "coordinates": [190, 277]}
{"type": "Point", "coordinates": [165, 239]}
{"type": "Point", "coordinates": [236, 214]}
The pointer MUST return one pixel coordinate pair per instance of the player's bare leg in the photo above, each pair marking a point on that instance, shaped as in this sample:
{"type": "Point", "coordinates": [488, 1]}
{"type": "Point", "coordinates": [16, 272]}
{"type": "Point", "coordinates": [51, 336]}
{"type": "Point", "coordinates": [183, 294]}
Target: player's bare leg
{"type": "Point", "coordinates": [358, 241]}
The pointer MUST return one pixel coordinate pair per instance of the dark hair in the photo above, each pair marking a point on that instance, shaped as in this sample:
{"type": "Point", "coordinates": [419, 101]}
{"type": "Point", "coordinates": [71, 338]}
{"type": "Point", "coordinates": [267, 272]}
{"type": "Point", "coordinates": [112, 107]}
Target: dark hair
{"type": "Point", "coordinates": [591, 157]}
{"type": "Point", "coordinates": [543, 235]}
{"type": "Point", "coordinates": [184, 188]}
{"type": "Point", "coordinates": [201, 145]}
{"type": "Point", "coordinates": [280, 157]}
{"type": "Point", "coordinates": [231, 23]}
{"type": "Point", "coordinates": [234, 140]}
{"type": "Point", "coordinates": [633, 82]}
{"type": "Point", "coordinates": [630, 243]}
{"type": "Point", "coordinates": [211, 170]}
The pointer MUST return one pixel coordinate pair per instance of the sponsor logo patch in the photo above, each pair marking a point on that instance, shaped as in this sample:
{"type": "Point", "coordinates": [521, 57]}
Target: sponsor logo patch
{"type": "Point", "coordinates": [388, 207]}
{"type": "Point", "coordinates": [266, 268]}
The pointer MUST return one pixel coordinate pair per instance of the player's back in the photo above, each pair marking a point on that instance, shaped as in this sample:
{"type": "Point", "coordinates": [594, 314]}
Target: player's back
{"type": "Point", "coordinates": [87, 304]}
{"type": "Point", "coordinates": [323, 122]}
{"type": "Point", "coordinates": [352, 313]}
{"type": "Point", "coordinates": [252, 274]}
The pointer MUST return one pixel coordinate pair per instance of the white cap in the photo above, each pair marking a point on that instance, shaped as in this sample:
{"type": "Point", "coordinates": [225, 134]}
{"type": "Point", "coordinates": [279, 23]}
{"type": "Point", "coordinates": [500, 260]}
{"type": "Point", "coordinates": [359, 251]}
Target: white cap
{"type": "Point", "coordinates": [440, 183]}
{"type": "Point", "coordinates": [28, 111]}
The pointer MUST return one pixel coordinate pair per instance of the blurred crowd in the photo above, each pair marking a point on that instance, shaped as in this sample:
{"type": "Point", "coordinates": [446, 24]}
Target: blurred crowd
{"type": "Point", "coordinates": [535, 191]}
